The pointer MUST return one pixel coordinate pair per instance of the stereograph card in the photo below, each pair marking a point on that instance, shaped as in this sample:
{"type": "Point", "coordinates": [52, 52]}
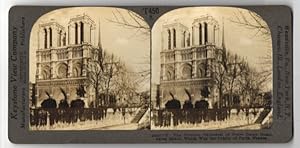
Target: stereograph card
{"type": "Point", "coordinates": [147, 74]}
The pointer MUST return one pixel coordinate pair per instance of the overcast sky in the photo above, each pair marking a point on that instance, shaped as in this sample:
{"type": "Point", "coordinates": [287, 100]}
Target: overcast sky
{"type": "Point", "coordinates": [115, 39]}
{"type": "Point", "coordinates": [238, 39]}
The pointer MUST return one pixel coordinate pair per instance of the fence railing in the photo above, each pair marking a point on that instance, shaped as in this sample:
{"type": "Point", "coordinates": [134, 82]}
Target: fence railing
{"type": "Point", "coordinates": [173, 117]}
{"type": "Point", "coordinates": [49, 117]}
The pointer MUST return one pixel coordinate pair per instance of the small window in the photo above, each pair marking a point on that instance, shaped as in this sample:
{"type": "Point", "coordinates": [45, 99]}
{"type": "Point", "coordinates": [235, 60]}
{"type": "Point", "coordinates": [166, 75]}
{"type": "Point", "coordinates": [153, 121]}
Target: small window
{"type": "Point", "coordinates": [200, 34]}
{"type": "Point", "coordinates": [205, 33]}
{"type": "Point", "coordinates": [76, 33]}
{"type": "Point", "coordinates": [50, 38]}
{"type": "Point", "coordinates": [169, 39]}
{"type": "Point", "coordinates": [174, 38]}
{"type": "Point", "coordinates": [45, 38]}
{"type": "Point", "coordinates": [81, 32]}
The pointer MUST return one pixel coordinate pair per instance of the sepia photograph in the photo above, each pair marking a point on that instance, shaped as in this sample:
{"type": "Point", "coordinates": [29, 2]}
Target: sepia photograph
{"type": "Point", "coordinates": [207, 68]}
{"type": "Point", "coordinates": [150, 74]}
{"type": "Point", "coordinates": [211, 70]}
{"type": "Point", "coordinates": [89, 70]}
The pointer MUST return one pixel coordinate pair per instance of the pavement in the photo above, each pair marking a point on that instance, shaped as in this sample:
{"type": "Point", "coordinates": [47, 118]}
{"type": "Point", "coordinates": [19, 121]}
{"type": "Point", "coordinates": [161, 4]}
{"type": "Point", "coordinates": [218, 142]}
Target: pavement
{"type": "Point", "coordinates": [126, 126]}
{"type": "Point", "coordinates": [241, 127]}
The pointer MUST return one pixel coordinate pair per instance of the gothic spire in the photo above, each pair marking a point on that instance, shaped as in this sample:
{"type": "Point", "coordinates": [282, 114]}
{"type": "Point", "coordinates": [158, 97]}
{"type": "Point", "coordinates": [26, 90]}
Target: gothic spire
{"type": "Point", "coordinates": [99, 35]}
{"type": "Point", "coordinates": [223, 38]}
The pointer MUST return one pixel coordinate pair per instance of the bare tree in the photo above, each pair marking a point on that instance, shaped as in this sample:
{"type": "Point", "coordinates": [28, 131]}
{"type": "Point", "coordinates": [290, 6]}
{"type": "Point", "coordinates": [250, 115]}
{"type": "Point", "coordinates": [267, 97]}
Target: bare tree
{"type": "Point", "coordinates": [250, 85]}
{"type": "Point", "coordinates": [109, 76]}
{"type": "Point", "coordinates": [111, 71]}
{"type": "Point", "coordinates": [219, 68]}
{"type": "Point", "coordinates": [101, 69]}
{"type": "Point", "coordinates": [131, 20]}
{"type": "Point", "coordinates": [233, 76]}
{"type": "Point", "coordinates": [261, 30]}
{"type": "Point", "coordinates": [124, 84]}
{"type": "Point", "coordinates": [235, 69]}
{"type": "Point", "coordinates": [252, 21]}
{"type": "Point", "coordinates": [95, 72]}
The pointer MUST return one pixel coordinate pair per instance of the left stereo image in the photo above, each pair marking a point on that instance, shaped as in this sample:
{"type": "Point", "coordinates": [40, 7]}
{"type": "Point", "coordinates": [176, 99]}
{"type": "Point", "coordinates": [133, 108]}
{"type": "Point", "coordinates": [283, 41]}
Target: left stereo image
{"type": "Point", "coordinates": [89, 70]}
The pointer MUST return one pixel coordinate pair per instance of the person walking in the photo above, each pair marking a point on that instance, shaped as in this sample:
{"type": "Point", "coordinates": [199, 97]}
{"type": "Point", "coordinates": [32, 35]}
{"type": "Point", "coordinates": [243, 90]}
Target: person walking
{"type": "Point", "coordinates": [173, 106]}
{"type": "Point", "coordinates": [201, 107]}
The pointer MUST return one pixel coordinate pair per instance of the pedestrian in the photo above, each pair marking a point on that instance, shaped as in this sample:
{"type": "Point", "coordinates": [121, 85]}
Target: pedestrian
{"type": "Point", "coordinates": [188, 108]}
{"type": "Point", "coordinates": [173, 106]}
{"type": "Point", "coordinates": [50, 105]}
{"type": "Point", "coordinates": [201, 107]}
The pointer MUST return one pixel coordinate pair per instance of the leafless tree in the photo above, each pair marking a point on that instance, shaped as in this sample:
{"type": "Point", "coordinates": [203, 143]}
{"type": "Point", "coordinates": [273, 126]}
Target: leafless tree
{"type": "Point", "coordinates": [131, 20]}
{"type": "Point", "coordinates": [250, 85]}
{"type": "Point", "coordinates": [101, 69]}
{"type": "Point", "coordinates": [95, 71]}
{"type": "Point", "coordinates": [235, 69]}
{"type": "Point", "coordinates": [124, 85]}
{"type": "Point", "coordinates": [108, 76]}
{"type": "Point", "coordinates": [233, 76]}
{"type": "Point", "coordinates": [252, 21]}
{"type": "Point", "coordinates": [112, 70]}
{"type": "Point", "coordinates": [261, 30]}
{"type": "Point", "coordinates": [219, 68]}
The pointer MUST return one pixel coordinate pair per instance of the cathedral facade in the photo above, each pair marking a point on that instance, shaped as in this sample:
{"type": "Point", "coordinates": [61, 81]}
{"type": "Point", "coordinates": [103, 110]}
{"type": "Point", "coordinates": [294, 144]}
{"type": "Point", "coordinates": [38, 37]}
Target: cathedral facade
{"type": "Point", "coordinates": [62, 57]}
{"type": "Point", "coordinates": [187, 56]}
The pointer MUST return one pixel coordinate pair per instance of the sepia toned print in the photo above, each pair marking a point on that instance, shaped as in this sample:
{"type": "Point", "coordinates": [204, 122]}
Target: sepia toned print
{"type": "Point", "coordinates": [89, 70]}
{"type": "Point", "coordinates": [211, 69]}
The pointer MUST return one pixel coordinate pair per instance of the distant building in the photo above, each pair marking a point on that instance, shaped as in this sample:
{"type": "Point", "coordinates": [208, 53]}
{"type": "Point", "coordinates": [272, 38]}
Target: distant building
{"type": "Point", "coordinates": [187, 56]}
{"type": "Point", "coordinates": [62, 56]}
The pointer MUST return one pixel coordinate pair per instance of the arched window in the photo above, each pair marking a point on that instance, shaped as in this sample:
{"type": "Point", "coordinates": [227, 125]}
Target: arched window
{"type": "Point", "coordinates": [76, 33]}
{"type": "Point", "coordinates": [45, 75]}
{"type": "Point", "coordinates": [76, 70]}
{"type": "Point", "coordinates": [45, 38]}
{"type": "Point", "coordinates": [81, 33]}
{"type": "Point", "coordinates": [186, 71]}
{"type": "Point", "coordinates": [170, 73]}
{"type": "Point", "coordinates": [169, 39]}
{"type": "Point", "coordinates": [64, 39]}
{"type": "Point", "coordinates": [62, 71]}
{"type": "Point", "coordinates": [50, 38]}
{"type": "Point", "coordinates": [188, 40]}
{"type": "Point", "coordinates": [59, 38]}
{"type": "Point", "coordinates": [200, 34]}
{"type": "Point", "coordinates": [214, 38]}
{"type": "Point", "coordinates": [205, 33]}
{"type": "Point", "coordinates": [183, 40]}
{"type": "Point", "coordinates": [200, 72]}
{"type": "Point", "coordinates": [193, 36]}
{"type": "Point", "coordinates": [174, 38]}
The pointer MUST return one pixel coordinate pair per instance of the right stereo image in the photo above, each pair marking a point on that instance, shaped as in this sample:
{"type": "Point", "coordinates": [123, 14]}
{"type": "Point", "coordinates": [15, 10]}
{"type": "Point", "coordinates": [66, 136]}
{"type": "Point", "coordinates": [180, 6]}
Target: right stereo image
{"type": "Point", "coordinates": [211, 70]}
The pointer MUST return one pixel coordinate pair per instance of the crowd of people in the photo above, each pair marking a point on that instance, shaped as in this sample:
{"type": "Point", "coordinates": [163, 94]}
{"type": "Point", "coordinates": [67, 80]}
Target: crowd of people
{"type": "Point", "coordinates": [41, 116]}
{"type": "Point", "coordinates": [189, 113]}
{"type": "Point", "coordinates": [50, 112]}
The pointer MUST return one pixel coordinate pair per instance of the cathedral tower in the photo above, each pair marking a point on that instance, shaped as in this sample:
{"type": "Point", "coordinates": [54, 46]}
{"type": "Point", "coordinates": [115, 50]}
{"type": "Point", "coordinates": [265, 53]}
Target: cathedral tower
{"type": "Point", "coordinates": [187, 56]}
{"type": "Point", "coordinates": [62, 57]}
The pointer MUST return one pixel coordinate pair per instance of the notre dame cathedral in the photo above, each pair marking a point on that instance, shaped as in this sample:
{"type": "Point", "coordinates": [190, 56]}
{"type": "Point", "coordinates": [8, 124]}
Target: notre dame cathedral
{"type": "Point", "coordinates": [62, 56]}
{"type": "Point", "coordinates": [187, 56]}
